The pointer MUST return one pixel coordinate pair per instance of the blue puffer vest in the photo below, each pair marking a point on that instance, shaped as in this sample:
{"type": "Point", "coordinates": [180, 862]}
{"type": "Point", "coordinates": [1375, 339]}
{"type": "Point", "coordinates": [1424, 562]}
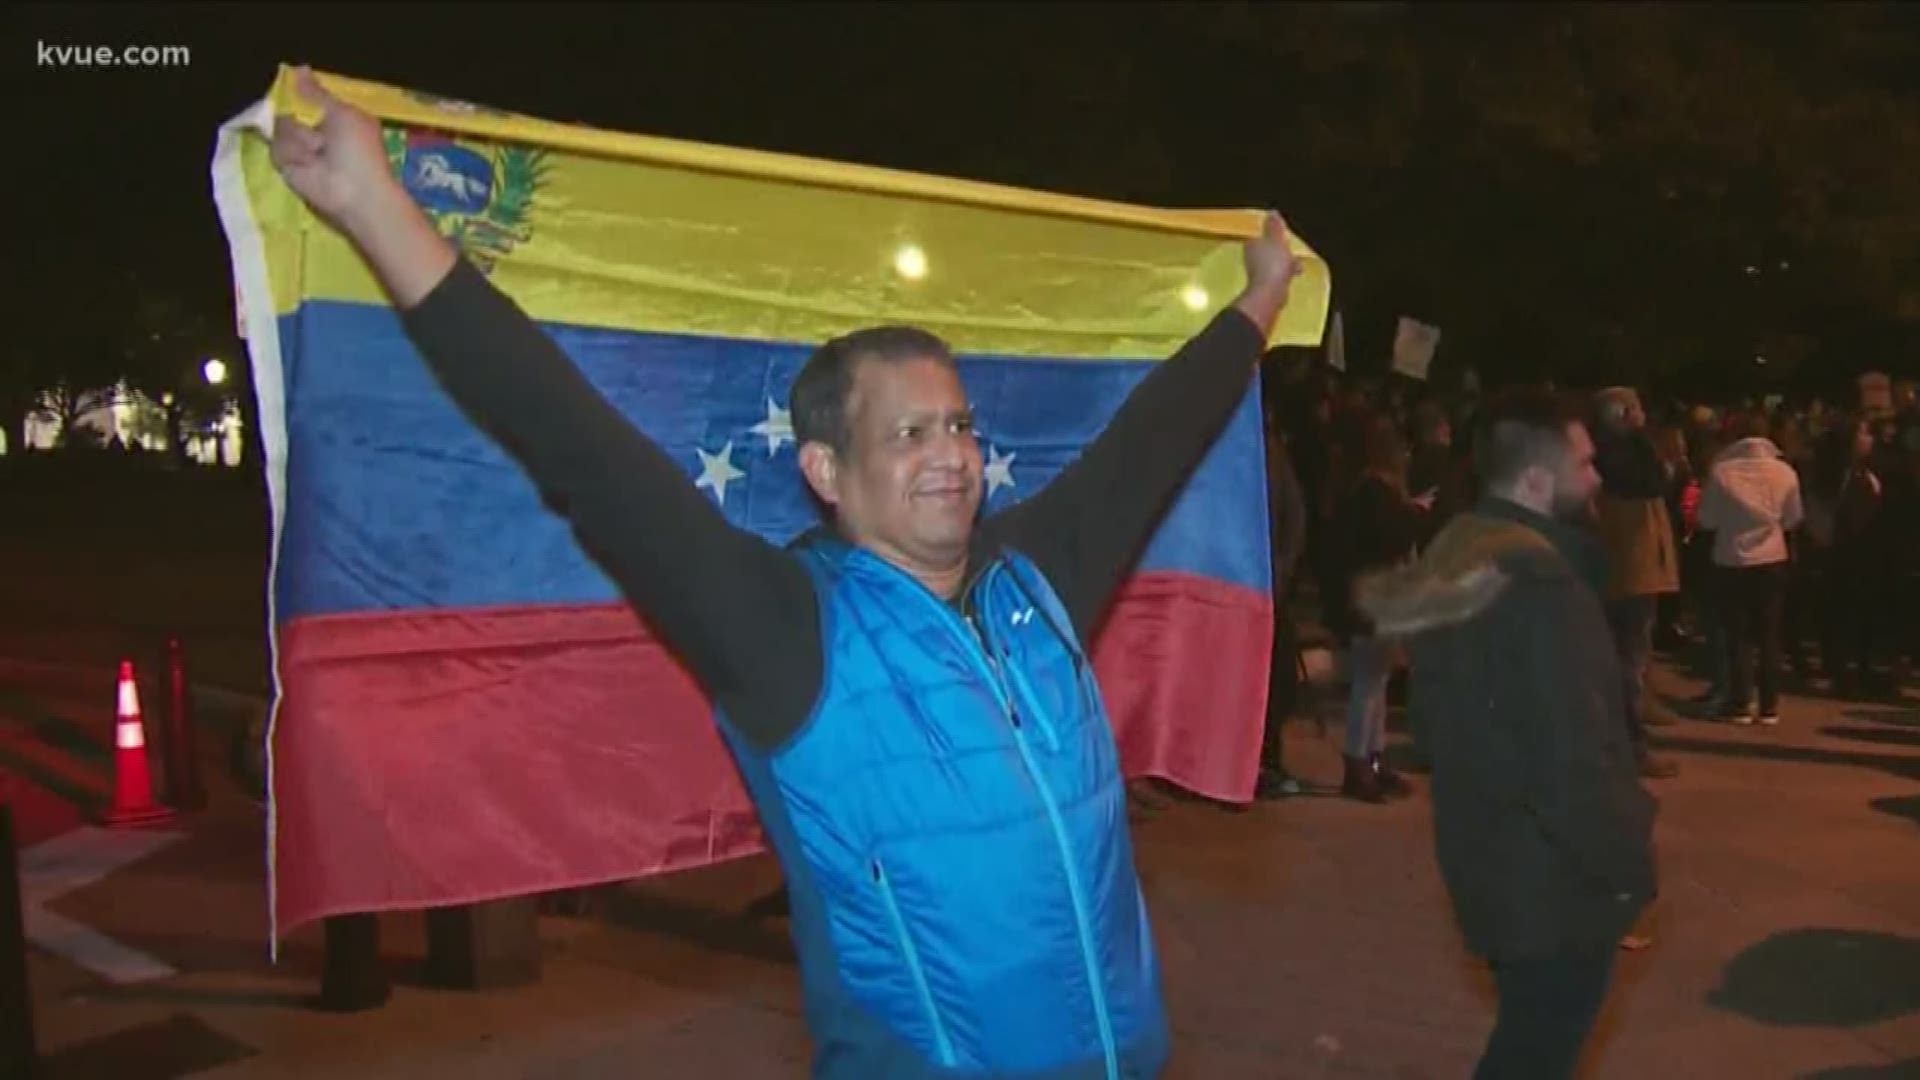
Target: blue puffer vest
{"type": "Point", "coordinates": [952, 824]}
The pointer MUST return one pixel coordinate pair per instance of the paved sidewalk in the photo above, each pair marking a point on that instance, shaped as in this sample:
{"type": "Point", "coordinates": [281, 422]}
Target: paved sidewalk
{"type": "Point", "coordinates": [1308, 938]}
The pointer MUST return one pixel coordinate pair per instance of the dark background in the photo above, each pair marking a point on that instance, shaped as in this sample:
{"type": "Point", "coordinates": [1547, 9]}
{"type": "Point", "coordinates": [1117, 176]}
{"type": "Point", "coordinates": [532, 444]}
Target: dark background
{"type": "Point", "coordinates": [1629, 192]}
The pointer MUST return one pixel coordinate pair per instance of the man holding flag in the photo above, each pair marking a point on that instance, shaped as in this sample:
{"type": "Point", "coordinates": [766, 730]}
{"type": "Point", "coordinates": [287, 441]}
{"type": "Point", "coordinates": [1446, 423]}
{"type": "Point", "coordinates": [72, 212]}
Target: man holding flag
{"type": "Point", "coordinates": [905, 690]}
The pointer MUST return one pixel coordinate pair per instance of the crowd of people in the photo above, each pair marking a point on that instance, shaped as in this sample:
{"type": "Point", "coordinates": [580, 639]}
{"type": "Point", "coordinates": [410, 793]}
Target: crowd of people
{"type": "Point", "coordinates": [1516, 583]}
{"type": "Point", "coordinates": [1764, 544]}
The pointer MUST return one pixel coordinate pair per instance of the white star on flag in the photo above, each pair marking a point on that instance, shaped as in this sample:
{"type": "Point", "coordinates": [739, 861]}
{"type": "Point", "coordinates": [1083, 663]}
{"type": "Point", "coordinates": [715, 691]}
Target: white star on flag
{"type": "Point", "coordinates": [999, 470]}
{"type": "Point", "coordinates": [717, 471]}
{"type": "Point", "coordinates": [776, 428]}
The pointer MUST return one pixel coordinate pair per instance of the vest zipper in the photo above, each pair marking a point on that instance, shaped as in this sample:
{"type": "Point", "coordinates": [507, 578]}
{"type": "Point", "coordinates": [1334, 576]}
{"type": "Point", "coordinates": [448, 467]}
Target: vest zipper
{"type": "Point", "coordinates": [1075, 893]}
{"type": "Point", "coordinates": [942, 1048]}
{"type": "Point", "coordinates": [1078, 896]}
{"type": "Point", "coordinates": [996, 681]}
{"type": "Point", "coordinates": [978, 651]}
{"type": "Point", "coordinates": [1038, 715]}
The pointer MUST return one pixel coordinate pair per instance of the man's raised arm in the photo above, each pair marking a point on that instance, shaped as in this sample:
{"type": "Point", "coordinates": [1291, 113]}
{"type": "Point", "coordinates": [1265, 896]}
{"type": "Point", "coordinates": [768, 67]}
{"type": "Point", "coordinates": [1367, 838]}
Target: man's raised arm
{"type": "Point", "coordinates": [1087, 527]}
{"type": "Point", "coordinates": [709, 589]}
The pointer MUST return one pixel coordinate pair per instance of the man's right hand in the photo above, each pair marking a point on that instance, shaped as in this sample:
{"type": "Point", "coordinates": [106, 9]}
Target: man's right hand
{"type": "Point", "coordinates": [339, 167]}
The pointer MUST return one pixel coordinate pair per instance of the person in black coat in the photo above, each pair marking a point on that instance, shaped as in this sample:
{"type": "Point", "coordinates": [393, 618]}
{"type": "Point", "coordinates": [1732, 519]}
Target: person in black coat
{"type": "Point", "coordinates": [1377, 525]}
{"type": "Point", "coordinates": [1287, 512]}
{"type": "Point", "coordinates": [1436, 473]}
{"type": "Point", "coordinates": [1543, 828]}
{"type": "Point", "coordinates": [1844, 512]}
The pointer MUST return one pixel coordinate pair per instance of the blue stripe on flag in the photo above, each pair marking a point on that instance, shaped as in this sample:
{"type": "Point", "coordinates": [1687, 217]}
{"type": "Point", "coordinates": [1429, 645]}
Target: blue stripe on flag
{"type": "Point", "coordinates": [397, 502]}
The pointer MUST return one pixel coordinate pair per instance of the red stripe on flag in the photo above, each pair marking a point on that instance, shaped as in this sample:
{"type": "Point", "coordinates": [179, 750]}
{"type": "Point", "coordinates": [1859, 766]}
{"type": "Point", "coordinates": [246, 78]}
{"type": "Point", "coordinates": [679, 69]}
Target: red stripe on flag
{"type": "Point", "coordinates": [1182, 662]}
{"type": "Point", "coordinates": [424, 759]}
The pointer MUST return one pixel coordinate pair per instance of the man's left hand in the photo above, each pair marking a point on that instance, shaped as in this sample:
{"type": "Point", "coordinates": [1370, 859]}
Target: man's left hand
{"type": "Point", "coordinates": [1271, 268]}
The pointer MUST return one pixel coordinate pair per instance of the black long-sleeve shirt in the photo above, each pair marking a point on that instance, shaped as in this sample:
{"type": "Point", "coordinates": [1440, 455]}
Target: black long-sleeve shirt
{"type": "Point", "coordinates": [1286, 514]}
{"type": "Point", "coordinates": [739, 611]}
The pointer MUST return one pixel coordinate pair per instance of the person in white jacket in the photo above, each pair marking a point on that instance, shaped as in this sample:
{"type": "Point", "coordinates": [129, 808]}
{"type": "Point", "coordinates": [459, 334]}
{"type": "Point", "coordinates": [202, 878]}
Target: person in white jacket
{"type": "Point", "coordinates": [1751, 504]}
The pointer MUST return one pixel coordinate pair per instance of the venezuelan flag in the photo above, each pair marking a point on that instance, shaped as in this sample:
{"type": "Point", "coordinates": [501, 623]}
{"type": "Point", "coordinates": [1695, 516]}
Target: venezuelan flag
{"type": "Point", "coordinates": [464, 709]}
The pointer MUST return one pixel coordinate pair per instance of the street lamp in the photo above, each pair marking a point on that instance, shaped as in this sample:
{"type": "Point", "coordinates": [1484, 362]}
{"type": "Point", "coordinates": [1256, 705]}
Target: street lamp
{"type": "Point", "coordinates": [910, 262]}
{"type": "Point", "coordinates": [215, 371]}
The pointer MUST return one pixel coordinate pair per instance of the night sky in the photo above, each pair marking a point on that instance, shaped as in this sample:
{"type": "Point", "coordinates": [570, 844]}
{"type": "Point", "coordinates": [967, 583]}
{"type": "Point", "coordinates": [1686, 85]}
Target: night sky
{"type": "Point", "coordinates": [1555, 189]}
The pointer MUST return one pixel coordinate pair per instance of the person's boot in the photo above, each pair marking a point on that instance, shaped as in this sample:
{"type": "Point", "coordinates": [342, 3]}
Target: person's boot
{"type": "Point", "coordinates": [1361, 783]}
{"type": "Point", "coordinates": [1276, 783]}
{"type": "Point", "coordinates": [1672, 638]}
{"type": "Point", "coordinates": [1392, 784]}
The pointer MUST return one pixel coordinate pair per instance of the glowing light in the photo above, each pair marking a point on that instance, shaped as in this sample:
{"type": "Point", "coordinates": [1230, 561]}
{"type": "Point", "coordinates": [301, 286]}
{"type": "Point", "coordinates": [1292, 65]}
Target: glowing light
{"type": "Point", "coordinates": [1195, 298]}
{"type": "Point", "coordinates": [215, 371]}
{"type": "Point", "coordinates": [910, 263]}
{"type": "Point", "coordinates": [1760, 360]}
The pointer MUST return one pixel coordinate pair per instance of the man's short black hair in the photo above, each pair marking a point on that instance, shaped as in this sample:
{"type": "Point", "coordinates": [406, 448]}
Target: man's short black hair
{"type": "Point", "coordinates": [819, 398]}
{"type": "Point", "coordinates": [1520, 429]}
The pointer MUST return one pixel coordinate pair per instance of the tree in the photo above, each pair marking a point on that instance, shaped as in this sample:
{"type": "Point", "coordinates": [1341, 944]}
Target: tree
{"type": "Point", "coordinates": [166, 340]}
{"type": "Point", "coordinates": [19, 391]}
{"type": "Point", "coordinates": [53, 363]}
{"type": "Point", "coordinates": [74, 367]}
{"type": "Point", "coordinates": [67, 402]}
{"type": "Point", "coordinates": [1584, 189]}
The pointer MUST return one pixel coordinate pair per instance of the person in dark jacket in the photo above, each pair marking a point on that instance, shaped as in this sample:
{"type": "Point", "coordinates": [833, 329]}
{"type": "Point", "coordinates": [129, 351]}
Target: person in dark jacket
{"type": "Point", "coordinates": [1287, 512]}
{"type": "Point", "coordinates": [1896, 461]}
{"type": "Point", "coordinates": [1631, 512]}
{"type": "Point", "coordinates": [1435, 474]}
{"type": "Point", "coordinates": [1378, 526]}
{"type": "Point", "coordinates": [1543, 827]}
{"type": "Point", "coordinates": [1843, 505]}
{"type": "Point", "coordinates": [1682, 494]}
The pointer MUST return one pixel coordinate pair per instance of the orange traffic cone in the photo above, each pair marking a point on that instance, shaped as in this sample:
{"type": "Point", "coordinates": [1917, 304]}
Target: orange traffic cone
{"type": "Point", "coordinates": [133, 803]}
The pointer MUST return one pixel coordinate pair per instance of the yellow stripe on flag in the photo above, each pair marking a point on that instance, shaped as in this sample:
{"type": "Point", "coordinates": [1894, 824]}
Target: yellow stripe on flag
{"type": "Point", "coordinates": [596, 228]}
